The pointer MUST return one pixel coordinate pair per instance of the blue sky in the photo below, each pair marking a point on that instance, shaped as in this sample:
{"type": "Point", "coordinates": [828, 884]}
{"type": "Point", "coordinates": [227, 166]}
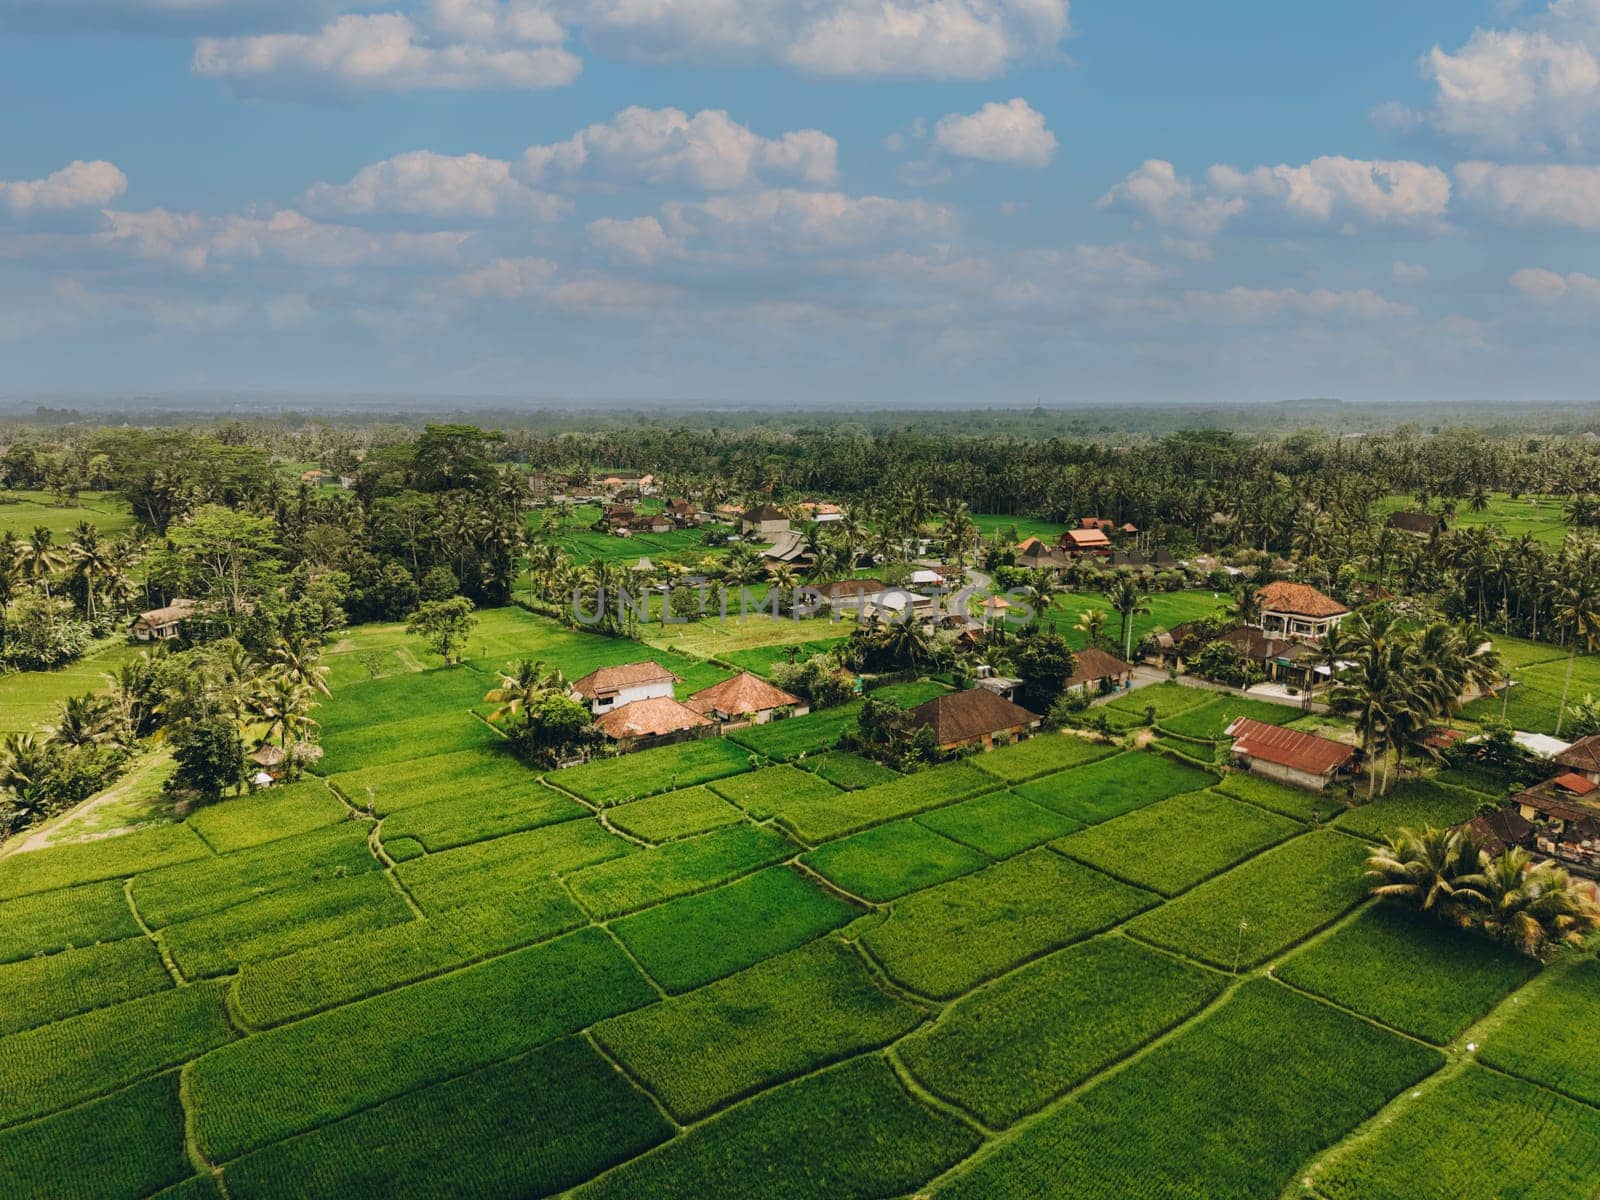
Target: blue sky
{"type": "Point", "coordinates": [809, 201]}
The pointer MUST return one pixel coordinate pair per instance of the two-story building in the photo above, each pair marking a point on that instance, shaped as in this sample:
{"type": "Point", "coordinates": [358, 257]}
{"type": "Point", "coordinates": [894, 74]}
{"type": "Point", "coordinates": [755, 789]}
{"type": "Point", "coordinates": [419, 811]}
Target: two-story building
{"type": "Point", "coordinates": [612, 687]}
{"type": "Point", "coordinates": [1298, 612]}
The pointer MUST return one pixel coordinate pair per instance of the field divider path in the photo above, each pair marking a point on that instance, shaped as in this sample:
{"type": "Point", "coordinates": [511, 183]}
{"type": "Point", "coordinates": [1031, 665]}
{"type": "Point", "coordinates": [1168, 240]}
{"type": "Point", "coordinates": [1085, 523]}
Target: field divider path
{"type": "Point", "coordinates": [1239, 980]}
{"type": "Point", "coordinates": [166, 959]}
{"type": "Point", "coordinates": [191, 1131]}
{"type": "Point", "coordinates": [931, 1099]}
{"type": "Point", "coordinates": [1457, 1059]}
{"type": "Point", "coordinates": [639, 1084]}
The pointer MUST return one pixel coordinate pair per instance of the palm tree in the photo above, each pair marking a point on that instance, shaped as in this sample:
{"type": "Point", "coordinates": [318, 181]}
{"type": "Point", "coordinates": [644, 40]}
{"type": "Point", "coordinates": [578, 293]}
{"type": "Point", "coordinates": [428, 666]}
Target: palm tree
{"type": "Point", "coordinates": [1128, 600]}
{"type": "Point", "coordinates": [1437, 870]}
{"type": "Point", "coordinates": [1092, 624]}
{"type": "Point", "coordinates": [1577, 615]}
{"type": "Point", "coordinates": [906, 641]}
{"type": "Point", "coordinates": [1531, 907]}
{"type": "Point", "coordinates": [93, 561]}
{"type": "Point", "coordinates": [286, 706]}
{"type": "Point", "coordinates": [85, 720]}
{"type": "Point", "coordinates": [39, 558]}
{"type": "Point", "coordinates": [24, 765]}
{"type": "Point", "coordinates": [520, 687]}
{"type": "Point", "coordinates": [960, 533]}
{"type": "Point", "coordinates": [298, 660]}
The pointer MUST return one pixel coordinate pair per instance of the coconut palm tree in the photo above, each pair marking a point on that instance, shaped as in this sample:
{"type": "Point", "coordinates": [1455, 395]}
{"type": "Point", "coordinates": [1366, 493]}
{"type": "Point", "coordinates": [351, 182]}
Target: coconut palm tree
{"type": "Point", "coordinates": [520, 687]}
{"type": "Point", "coordinates": [1436, 870]}
{"type": "Point", "coordinates": [1532, 907]}
{"type": "Point", "coordinates": [906, 641]}
{"type": "Point", "coordinates": [1127, 600]}
{"type": "Point", "coordinates": [39, 558]}
{"type": "Point", "coordinates": [92, 561]}
{"type": "Point", "coordinates": [1092, 624]}
{"type": "Point", "coordinates": [1577, 616]}
{"type": "Point", "coordinates": [86, 720]}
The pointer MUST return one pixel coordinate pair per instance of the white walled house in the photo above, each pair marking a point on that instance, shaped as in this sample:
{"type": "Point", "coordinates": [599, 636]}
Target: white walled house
{"type": "Point", "coordinates": [612, 687]}
{"type": "Point", "coordinates": [1298, 612]}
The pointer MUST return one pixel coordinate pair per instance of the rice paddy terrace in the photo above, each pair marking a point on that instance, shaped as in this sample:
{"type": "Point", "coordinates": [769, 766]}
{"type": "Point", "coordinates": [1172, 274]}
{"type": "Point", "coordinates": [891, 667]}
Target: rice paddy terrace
{"type": "Point", "coordinates": [759, 967]}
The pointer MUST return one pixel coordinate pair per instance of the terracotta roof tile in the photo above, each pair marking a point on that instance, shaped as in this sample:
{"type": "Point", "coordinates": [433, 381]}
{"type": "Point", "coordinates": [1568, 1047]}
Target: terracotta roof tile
{"type": "Point", "coordinates": [960, 716]}
{"type": "Point", "coordinates": [609, 680]}
{"type": "Point", "coordinates": [744, 693]}
{"type": "Point", "coordinates": [1298, 599]}
{"type": "Point", "coordinates": [650, 718]}
{"type": "Point", "coordinates": [1288, 747]}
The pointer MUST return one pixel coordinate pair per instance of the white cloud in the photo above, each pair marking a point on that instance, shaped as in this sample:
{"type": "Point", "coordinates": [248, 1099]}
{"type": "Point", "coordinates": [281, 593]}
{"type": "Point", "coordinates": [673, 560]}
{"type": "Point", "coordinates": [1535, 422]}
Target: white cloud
{"type": "Point", "coordinates": [1320, 192]}
{"type": "Point", "coordinates": [1244, 305]}
{"type": "Point", "coordinates": [1001, 133]}
{"type": "Point", "coordinates": [1405, 272]}
{"type": "Point", "coordinates": [1535, 87]}
{"type": "Point", "coordinates": [784, 219]}
{"type": "Point", "coordinates": [1567, 196]}
{"type": "Point", "coordinates": [941, 39]}
{"type": "Point", "coordinates": [458, 44]}
{"type": "Point", "coordinates": [507, 278]}
{"type": "Point", "coordinates": [641, 239]}
{"type": "Point", "coordinates": [435, 185]}
{"type": "Point", "coordinates": [77, 185]}
{"type": "Point", "coordinates": [708, 150]}
{"type": "Point", "coordinates": [1156, 192]}
{"type": "Point", "coordinates": [1548, 287]}
{"type": "Point", "coordinates": [1332, 187]}
{"type": "Point", "coordinates": [195, 242]}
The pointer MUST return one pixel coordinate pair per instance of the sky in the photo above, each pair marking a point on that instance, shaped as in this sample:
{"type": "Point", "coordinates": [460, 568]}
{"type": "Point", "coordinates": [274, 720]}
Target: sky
{"type": "Point", "coordinates": [808, 202]}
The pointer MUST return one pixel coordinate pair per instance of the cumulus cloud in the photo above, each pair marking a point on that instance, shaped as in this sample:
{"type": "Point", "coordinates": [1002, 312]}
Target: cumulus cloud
{"type": "Point", "coordinates": [1321, 192]}
{"type": "Point", "coordinates": [1566, 196]}
{"type": "Point", "coordinates": [452, 44]}
{"type": "Point", "coordinates": [940, 39]}
{"type": "Point", "coordinates": [1405, 272]}
{"type": "Point", "coordinates": [1243, 305]}
{"type": "Point", "coordinates": [1156, 192]}
{"type": "Point", "coordinates": [1331, 187]}
{"type": "Point", "coordinates": [507, 278]}
{"type": "Point", "coordinates": [436, 185]}
{"type": "Point", "coordinates": [1548, 287]}
{"type": "Point", "coordinates": [1000, 133]}
{"type": "Point", "coordinates": [196, 242]}
{"type": "Point", "coordinates": [1533, 86]}
{"type": "Point", "coordinates": [709, 150]}
{"type": "Point", "coordinates": [785, 219]}
{"type": "Point", "coordinates": [77, 185]}
{"type": "Point", "coordinates": [641, 239]}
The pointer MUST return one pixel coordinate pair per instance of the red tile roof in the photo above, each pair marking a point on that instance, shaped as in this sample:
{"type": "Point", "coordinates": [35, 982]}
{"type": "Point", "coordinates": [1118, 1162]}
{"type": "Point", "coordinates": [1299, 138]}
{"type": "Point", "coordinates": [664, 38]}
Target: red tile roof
{"type": "Point", "coordinates": [1578, 785]}
{"type": "Point", "coordinates": [649, 718]}
{"type": "Point", "coordinates": [1298, 599]}
{"type": "Point", "coordinates": [744, 693]}
{"type": "Point", "coordinates": [1086, 539]}
{"type": "Point", "coordinates": [1288, 747]}
{"type": "Point", "coordinates": [1582, 755]}
{"type": "Point", "coordinates": [608, 681]}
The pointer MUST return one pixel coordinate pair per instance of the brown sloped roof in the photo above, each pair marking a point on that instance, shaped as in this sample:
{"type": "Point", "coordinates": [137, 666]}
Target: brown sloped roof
{"type": "Point", "coordinates": [1413, 522]}
{"type": "Point", "coordinates": [958, 716]}
{"type": "Point", "coordinates": [766, 512]}
{"type": "Point", "coordinates": [1085, 539]}
{"type": "Point", "coordinates": [744, 693]}
{"type": "Point", "coordinates": [1298, 599]}
{"type": "Point", "coordinates": [609, 680]}
{"type": "Point", "coordinates": [1288, 747]}
{"type": "Point", "coordinates": [649, 718]}
{"type": "Point", "coordinates": [1582, 755]}
{"type": "Point", "coordinates": [176, 611]}
{"type": "Point", "coordinates": [841, 588]}
{"type": "Point", "coordinates": [1095, 664]}
{"type": "Point", "coordinates": [1508, 827]}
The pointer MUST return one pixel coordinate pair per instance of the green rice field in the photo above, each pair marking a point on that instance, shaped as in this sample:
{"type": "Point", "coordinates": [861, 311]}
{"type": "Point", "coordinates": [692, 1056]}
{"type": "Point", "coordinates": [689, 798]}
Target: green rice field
{"type": "Point", "coordinates": [760, 968]}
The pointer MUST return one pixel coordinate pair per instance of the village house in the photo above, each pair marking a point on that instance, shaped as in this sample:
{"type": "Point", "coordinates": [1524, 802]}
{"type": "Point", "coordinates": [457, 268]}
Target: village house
{"type": "Point", "coordinates": [269, 763]}
{"type": "Point", "coordinates": [788, 548]}
{"type": "Point", "coordinates": [163, 624]}
{"type": "Point", "coordinates": [894, 605]}
{"type": "Point", "coordinates": [821, 512]}
{"type": "Point", "coordinates": [1035, 555]}
{"type": "Point", "coordinates": [656, 721]}
{"type": "Point", "coordinates": [1288, 756]}
{"type": "Point", "coordinates": [976, 717]}
{"type": "Point", "coordinates": [849, 595]}
{"type": "Point", "coordinates": [746, 698]}
{"type": "Point", "coordinates": [764, 520]}
{"type": "Point", "coordinates": [1418, 524]}
{"type": "Point", "coordinates": [1560, 817]}
{"type": "Point", "coordinates": [1085, 542]}
{"type": "Point", "coordinates": [1298, 611]}
{"type": "Point", "coordinates": [1096, 671]}
{"type": "Point", "coordinates": [612, 687]}
{"type": "Point", "coordinates": [684, 513]}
